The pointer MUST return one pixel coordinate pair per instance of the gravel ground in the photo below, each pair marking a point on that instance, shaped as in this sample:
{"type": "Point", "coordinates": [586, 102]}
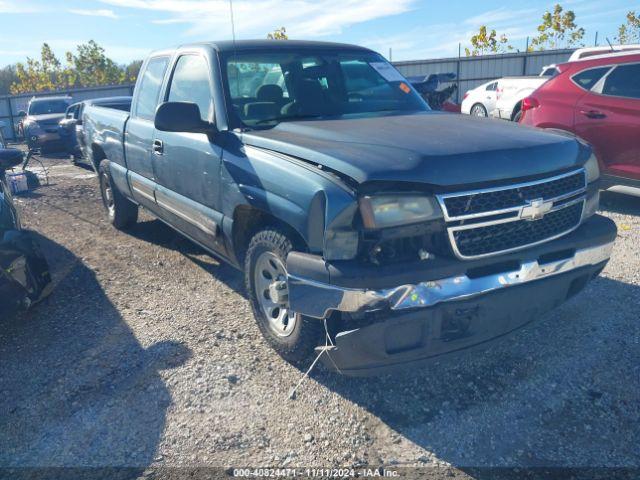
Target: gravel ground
{"type": "Point", "coordinates": [147, 354]}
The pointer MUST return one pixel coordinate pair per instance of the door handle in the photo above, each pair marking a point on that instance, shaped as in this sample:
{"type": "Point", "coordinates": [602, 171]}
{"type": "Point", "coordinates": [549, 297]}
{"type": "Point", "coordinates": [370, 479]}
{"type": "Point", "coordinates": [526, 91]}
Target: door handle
{"type": "Point", "coordinates": [158, 147]}
{"type": "Point", "coordinates": [592, 114]}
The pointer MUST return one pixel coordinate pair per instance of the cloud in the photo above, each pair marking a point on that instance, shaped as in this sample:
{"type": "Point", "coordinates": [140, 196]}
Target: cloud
{"type": "Point", "coordinates": [302, 18]}
{"type": "Point", "coordinates": [9, 6]}
{"type": "Point", "coordinates": [502, 16]}
{"type": "Point", "coordinates": [94, 13]}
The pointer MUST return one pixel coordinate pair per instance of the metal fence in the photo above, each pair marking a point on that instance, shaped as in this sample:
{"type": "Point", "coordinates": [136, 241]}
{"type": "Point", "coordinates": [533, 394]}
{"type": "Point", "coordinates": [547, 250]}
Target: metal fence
{"type": "Point", "coordinates": [10, 105]}
{"type": "Point", "coordinates": [474, 71]}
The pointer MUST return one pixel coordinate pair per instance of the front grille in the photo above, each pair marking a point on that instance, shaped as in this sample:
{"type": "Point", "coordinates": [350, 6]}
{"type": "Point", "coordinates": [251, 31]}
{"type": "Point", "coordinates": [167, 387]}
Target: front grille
{"type": "Point", "coordinates": [499, 237]}
{"type": "Point", "coordinates": [474, 203]}
{"type": "Point", "coordinates": [502, 219]}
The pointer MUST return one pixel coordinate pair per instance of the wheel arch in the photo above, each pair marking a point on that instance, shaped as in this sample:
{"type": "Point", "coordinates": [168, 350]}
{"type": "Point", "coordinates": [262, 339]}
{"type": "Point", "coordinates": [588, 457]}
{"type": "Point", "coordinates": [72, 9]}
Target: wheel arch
{"type": "Point", "coordinates": [249, 220]}
{"type": "Point", "coordinates": [97, 155]}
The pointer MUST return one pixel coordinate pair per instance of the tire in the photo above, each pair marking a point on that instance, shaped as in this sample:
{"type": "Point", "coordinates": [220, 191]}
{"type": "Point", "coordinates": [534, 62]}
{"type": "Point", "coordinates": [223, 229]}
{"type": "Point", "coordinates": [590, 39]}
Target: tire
{"type": "Point", "coordinates": [293, 336]}
{"type": "Point", "coordinates": [517, 116]}
{"type": "Point", "coordinates": [478, 110]}
{"type": "Point", "coordinates": [121, 211]}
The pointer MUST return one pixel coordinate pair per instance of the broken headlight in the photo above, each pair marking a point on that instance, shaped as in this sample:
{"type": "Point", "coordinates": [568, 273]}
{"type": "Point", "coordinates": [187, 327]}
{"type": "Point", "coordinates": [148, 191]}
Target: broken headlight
{"type": "Point", "coordinates": [393, 210]}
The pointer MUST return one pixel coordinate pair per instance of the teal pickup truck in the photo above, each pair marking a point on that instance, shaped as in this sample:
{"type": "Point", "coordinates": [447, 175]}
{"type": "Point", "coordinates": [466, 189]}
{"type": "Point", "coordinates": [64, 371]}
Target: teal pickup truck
{"type": "Point", "coordinates": [367, 225]}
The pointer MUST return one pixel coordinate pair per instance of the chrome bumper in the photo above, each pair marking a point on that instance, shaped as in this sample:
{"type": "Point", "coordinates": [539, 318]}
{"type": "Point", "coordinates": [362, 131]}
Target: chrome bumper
{"type": "Point", "coordinates": [318, 300]}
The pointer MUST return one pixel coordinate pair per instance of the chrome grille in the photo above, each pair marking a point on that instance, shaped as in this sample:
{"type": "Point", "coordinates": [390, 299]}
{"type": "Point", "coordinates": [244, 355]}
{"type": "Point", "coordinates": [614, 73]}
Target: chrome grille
{"type": "Point", "coordinates": [503, 219]}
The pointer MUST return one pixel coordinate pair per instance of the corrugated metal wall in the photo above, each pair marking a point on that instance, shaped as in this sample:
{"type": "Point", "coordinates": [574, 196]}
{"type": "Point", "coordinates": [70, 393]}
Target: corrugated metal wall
{"type": "Point", "coordinates": [474, 71]}
{"type": "Point", "coordinates": [12, 104]}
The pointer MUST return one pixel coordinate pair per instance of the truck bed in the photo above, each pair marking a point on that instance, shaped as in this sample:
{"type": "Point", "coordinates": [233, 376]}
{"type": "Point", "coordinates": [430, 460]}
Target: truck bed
{"type": "Point", "coordinates": [104, 134]}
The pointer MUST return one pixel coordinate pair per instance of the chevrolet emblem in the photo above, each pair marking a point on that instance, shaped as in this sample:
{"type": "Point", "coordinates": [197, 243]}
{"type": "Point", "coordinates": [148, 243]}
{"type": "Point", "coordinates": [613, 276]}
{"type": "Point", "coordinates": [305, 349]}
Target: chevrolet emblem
{"type": "Point", "coordinates": [535, 209]}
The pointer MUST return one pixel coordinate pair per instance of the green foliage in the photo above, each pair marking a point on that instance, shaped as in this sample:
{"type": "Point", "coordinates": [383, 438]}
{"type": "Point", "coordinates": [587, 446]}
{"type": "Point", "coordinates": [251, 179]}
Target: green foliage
{"type": "Point", "coordinates": [629, 32]}
{"type": "Point", "coordinates": [93, 68]}
{"type": "Point", "coordinates": [132, 70]}
{"type": "Point", "coordinates": [8, 75]}
{"type": "Point", "coordinates": [484, 42]}
{"type": "Point", "coordinates": [278, 34]}
{"type": "Point", "coordinates": [88, 67]}
{"type": "Point", "coordinates": [557, 30]}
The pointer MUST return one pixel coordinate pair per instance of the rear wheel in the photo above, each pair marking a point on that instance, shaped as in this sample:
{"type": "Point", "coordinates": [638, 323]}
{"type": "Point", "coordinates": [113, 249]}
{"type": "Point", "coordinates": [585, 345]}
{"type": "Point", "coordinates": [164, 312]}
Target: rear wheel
{"type": "Point", "coordinates": [517, 116]}
{"type": "Point", "coordinates": [121, 211]}
{"type": "Point", "coordinates": [292, 335]}
{"type": "Point", "coordinates": [478, 110]}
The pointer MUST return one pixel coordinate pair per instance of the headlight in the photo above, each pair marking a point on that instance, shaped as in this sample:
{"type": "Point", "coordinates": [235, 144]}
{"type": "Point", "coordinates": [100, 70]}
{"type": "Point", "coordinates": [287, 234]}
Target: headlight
{"type": "Point", "coordinates": [31, 126]}
{"type": "Point", "coordinates": [393, 210]}
{"type": "Point", "coordinates": [592, 169]}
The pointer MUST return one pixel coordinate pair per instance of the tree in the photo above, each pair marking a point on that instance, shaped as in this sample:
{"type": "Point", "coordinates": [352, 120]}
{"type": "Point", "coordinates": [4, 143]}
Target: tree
{"type": "Point", "coordinates": [278, 34]}
{"type": "Point", "coordinates": [88, 67]}
{"type": "Point", "coordinates": [93, 68]}
{"type": "Point", "coordinates": [483, 43]}
{"type": "Point", "coordinates": [132, 70]}
{"type": "Point", "coordinates": [38, 75]}
{"type": "Point", "coordinates": [8, 76]}
{"type": "Point", "coordinates": [557, 30]}
{"type": "Point", "coordinates": [629, 32]}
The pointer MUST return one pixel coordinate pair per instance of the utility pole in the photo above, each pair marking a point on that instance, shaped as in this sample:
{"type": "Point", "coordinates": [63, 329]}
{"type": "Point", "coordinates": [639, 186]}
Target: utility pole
{"type": "Point", "coordinates": [596, 42]}
{"type": "Point", "coordinates": [390, 54]}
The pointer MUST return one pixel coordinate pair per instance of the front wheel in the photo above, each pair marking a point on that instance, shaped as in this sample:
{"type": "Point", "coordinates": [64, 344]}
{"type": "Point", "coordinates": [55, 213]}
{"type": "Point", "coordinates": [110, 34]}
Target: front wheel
{"type": "Point", "coordinates": [292, 335]}
{"type": "Point", "coordinates": [121, 211]}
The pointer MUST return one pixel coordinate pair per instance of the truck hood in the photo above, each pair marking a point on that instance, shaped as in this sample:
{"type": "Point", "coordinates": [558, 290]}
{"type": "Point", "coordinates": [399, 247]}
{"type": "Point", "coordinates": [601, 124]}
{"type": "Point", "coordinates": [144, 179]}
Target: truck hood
{"type": "Point", "coordinates": [436, 148]}
{"type": "Point", "coordinates": [47, 119]}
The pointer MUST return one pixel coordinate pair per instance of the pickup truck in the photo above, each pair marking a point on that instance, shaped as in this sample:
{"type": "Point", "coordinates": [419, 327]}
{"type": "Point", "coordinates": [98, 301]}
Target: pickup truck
{"type": "Point", "coordinates": [370, 229]}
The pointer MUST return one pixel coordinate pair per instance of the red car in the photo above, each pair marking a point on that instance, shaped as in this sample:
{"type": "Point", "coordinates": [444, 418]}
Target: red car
{"type": "Point", "coordinates": [597, 99]}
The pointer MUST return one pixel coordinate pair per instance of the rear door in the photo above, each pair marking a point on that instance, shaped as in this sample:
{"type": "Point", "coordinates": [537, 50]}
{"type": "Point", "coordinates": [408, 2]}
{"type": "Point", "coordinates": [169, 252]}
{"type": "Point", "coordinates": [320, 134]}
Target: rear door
{"type": "Point", "coordinates": [187, 165]}
{"type": "Point", "coordinates": [608, 117]}
{"type": "Point", "coordinates": [489, 99]}
{"type": "Point", "coordinates": [140, 130]}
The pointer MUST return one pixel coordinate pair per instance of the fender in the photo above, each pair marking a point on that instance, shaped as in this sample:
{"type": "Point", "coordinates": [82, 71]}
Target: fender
{"type": "Point", "coordinates": [304, 197]}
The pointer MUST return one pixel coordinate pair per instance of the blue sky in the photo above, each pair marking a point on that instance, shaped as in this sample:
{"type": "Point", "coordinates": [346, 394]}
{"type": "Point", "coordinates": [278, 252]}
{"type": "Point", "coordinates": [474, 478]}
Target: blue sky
{"type": "Point", "coordinates": [414, 29]}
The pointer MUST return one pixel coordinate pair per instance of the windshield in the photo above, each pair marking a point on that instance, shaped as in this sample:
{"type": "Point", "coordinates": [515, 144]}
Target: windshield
{"type": "Point", "coordinates": [268, 87]}
{"type": "Point", "coordinates": [42, 107]}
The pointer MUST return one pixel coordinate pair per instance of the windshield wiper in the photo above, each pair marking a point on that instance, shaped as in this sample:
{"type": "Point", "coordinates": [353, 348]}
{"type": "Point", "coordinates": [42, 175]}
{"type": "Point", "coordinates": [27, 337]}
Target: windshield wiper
{"type": "Point", "coordinates": [288, 117]}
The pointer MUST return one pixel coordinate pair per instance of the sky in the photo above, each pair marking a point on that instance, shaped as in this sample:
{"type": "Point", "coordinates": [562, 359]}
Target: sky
{"type": "Point", "coordinates": [413, 29]}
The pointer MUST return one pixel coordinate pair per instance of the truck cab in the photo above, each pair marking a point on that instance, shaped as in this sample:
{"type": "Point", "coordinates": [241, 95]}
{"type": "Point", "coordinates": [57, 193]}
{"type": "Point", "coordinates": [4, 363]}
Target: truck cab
{"type": "Point", "coordinates": [369, 228]}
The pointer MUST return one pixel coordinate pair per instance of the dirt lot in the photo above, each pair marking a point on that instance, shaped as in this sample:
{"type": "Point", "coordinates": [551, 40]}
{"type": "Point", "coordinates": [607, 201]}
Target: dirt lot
{"type": "Point", "coordinates": [147, 354]}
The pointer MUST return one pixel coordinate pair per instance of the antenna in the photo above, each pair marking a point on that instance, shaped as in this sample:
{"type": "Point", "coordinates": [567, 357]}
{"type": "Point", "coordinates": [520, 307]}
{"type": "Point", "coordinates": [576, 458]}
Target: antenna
{"type": "Point", "coordinates": [233, 26]}
{"type": "Point", "coordinates": [610, 46]}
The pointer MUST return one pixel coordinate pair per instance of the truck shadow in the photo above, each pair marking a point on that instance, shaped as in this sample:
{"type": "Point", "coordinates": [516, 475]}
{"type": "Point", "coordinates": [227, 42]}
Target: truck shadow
{"type": "Point", "coordinates": [159, 233]}
{"type": "Point", "coordinates": [547, 395]}
{"type": "Point", "coordinates": [622, 203]}
{"type": "Point", "coordinates": [79, 390]}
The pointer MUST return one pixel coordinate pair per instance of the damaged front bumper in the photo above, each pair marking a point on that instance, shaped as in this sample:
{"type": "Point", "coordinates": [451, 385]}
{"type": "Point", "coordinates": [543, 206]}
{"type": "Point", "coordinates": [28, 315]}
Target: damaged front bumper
{"type": "Point", "coordinates": [443, 305]}
{"type": "Point", "coordinates": [24, 272]}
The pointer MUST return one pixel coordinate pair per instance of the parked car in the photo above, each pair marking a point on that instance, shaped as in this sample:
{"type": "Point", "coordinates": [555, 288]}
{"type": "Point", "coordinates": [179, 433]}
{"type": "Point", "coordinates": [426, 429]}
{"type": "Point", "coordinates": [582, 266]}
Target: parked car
{"type": "Point", "coordinates": [436, 96]}
{"type": "Point", "coordinates": [481, 100]}
{"type": "Point", "coordinates": [362, 220]}
{"type": "Point", "coordinates": [24, 273]}
{"type": "Point", "coordinates": [510, 92]}
{"type": "Point", "coordinates": [71, 126]}
{"type": "Point", "coordinates": [39, 124]}
{"type": "Point", "coordinates": [597, 99]}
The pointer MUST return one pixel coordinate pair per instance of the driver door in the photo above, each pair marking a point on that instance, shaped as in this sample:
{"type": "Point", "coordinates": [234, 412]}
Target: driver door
{"type": "Point", "coordinates": [187, 165]}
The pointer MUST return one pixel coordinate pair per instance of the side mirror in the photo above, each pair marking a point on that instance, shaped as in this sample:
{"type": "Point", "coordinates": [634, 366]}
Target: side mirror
{"type": "Point", "coordinates": [9, 158]}
{"type": "Point", "coordinates": [22, 113]}
{"type": "Point", "coordinates": [181, 117]}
